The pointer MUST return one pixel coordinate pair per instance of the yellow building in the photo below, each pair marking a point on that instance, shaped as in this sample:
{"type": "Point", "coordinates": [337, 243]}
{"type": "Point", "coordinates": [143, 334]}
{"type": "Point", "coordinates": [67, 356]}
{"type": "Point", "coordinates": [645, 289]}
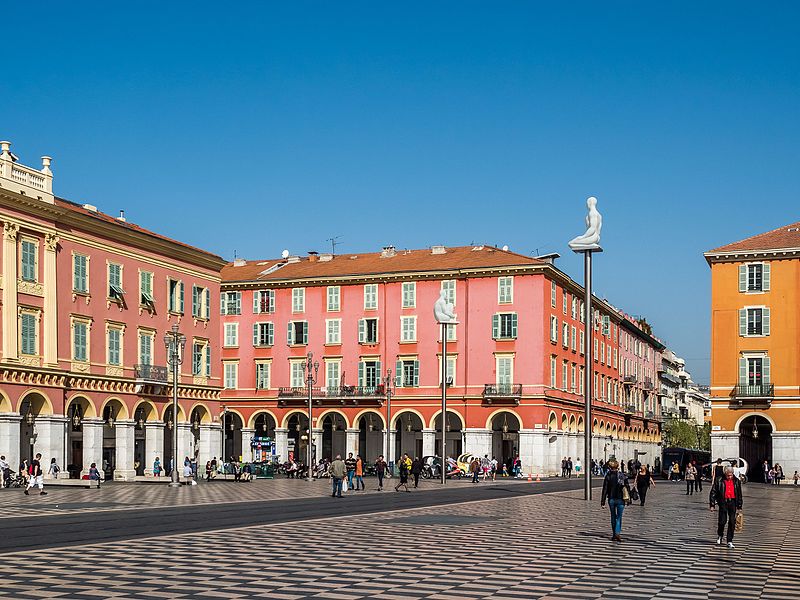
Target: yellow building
{"type": "Point", "coordinates": [755, 363]}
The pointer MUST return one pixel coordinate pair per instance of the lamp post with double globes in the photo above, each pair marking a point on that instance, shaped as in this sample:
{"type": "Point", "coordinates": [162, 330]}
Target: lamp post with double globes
{"type": "Point", "coordinates": [175, 342]}
{"type": "Point", "coordinates": [311, 370]}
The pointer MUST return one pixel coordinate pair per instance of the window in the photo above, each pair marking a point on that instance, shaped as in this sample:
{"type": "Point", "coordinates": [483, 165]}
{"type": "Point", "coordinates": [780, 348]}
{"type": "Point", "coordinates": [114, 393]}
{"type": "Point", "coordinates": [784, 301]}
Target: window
{"type": "Point", "coordinates": [504, 326]}
{"type": "Point", "coordinates": [583, 341]}
{"type": "Point", "coordinates": [574, 307]}
{"type": "Point", "coordinates": [409, 294]}
{"type": "Point", "coordinates": [505, 290]}
{"type": "Point", "coordinates": [564, 302]}
{"type": "Point", "coordinates": [80, 273]}
{"type": "Point", "coordinates": [581, 380]}
{"type": "Point", "coordinates": [262, 375]}
{"type": "Point", "coordinates": [408, 329]}
{"type": "Point", "coordinates": [297, 373]}
{"type": "Point", "coordinates": [573, 338]}
{"type": "Point", "coordinates": [263, 301]}
{"type": "Point", "coordinates": [564, 375]}
{"type": "Point", "coordinates": [449, 287]}
{"type": "Point", "coordinates": [334, 298]}
{"type": "Point", "coordinates": [368, 331]}
{"type": "Point", "coordinates": [333, 374]}
{"type": "Point", "coordinates": [407, 371]}
{"type": "Point", "coordinates": [298, 300]}
{"type": "Point", "coordinates": [602, 353]}
{"type": "Point", "coordinates": [175, 294]}
{"type": "Point", "coordinates": [754, 277]}
{"type": "Point", "coordinates": [553, 329]}
{"type": "Point", "coordinates": [754, 321]}
{"type": "Point", "coordinates": [115, 289]}
{"type": "Point", "coordinates": [263, 334]}
{"type": "Point", "coordinates": [565, 334]}
{"type": "Point", "coordinates": [504, 365]}
{"type": "Point", "coordinates": [573, 376]}
{"type": "Point", "coordinates": [200, 302]}
{"type": "Point", "coordinates": [615, 357]}
{"type": "Point", "coordinates": [146, 347]}
{"type": "Point", "coordinates": [146, 289]}
{"type": "Point", "coordinates": [297, 333]}
{"type": "Point", "coordinates": [553, 367]}
{"type": "Point", "coordinates": [369, 373]}
{"type": "Point", "coordinates": [230, 303]}
{"type": "Point", "coordinates": [333, 333]}
{"type": "Point", "coordinates": [28, 259]}
{"type": "Point", "coordinates": [201, 359]}
{"type": "Point", "coordinates": [231, 375]}
{"type": "Point", "coordinates": [596, 350]}
{"type": "Point", "coordinates": [553, 291]}
{"type": "Point", "coordinates": [583, 312]}
{"type": "Point", "coordinates": [80, 341]}
{"type": "Point", "coordinates": [371, 296]}
{"type": "Point", "coordinates": [29, 325]}
{"type": "Point", "coordinates": [451, 370]}
{"type": "Point", "coordinates": [231, 339]}
{"type": "Point", "coordinates": [114, 346]}
{"type": "Point", "coordinates": [606, 325]}
{"type": "Point", "coordinates": [451, 333]}
{"type": "Point", "coordinates": [754, 371]}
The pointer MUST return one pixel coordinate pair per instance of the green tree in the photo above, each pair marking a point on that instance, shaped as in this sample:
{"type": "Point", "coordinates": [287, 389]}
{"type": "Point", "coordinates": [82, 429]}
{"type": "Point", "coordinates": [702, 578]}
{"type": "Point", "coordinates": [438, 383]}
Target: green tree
{"type": "Point", "coordinates": [685, 434]}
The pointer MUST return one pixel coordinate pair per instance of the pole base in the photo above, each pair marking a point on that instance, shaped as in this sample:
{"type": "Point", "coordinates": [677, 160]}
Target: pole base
{"type": "Point", "coordinates": [174, 484]}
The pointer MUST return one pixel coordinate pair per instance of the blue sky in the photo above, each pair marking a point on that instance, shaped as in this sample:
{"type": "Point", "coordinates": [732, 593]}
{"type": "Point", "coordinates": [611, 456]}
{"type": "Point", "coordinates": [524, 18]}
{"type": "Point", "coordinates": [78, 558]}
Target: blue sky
{"type": "Point", "coordinates": [254, 127]}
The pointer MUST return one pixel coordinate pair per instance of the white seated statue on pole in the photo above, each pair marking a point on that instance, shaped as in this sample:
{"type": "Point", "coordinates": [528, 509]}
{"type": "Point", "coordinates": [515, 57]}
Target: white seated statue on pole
{"type": "Point", "coordinates": [589, 241]}
{"type": "Point", "coordinates": [443, 310]}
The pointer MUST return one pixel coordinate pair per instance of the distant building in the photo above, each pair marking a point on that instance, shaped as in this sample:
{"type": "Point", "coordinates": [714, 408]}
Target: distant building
{"type": "Point", "coordinates": [755, 361]}
{"type": "Point", "coordinates": [86, 300]}
{"type": "Point", "coordinates": [681, 398]}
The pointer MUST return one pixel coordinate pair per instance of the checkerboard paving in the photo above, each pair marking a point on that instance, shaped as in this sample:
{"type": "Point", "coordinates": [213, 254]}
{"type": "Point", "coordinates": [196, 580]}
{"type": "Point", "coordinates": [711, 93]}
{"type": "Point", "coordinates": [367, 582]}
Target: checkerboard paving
{"type": "Point", "coordinates": [551, 546]}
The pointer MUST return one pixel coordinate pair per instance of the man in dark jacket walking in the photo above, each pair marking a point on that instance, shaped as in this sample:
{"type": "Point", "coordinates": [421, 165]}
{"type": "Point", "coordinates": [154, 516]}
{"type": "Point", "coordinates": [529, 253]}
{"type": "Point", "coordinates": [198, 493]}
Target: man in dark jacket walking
{"type": "Point", "coordinates": [727, 494]}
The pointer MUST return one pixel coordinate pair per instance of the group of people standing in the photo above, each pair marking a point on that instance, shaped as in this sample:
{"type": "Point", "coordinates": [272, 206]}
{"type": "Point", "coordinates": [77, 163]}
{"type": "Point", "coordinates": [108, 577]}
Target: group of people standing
{"type": "Point", "coordinates": [567, 466]}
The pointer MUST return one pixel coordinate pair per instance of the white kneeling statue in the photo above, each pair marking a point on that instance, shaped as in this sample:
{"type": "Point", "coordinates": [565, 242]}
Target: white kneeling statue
{"type": "Point", "coordinates": [594, 222]}
{"type": "Point", "coordinates": [443, 310]}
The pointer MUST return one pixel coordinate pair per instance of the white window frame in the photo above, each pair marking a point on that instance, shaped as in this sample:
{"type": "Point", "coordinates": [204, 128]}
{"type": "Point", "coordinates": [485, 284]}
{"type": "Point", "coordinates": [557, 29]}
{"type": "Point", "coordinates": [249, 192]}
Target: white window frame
{"type": "Point", "coordinates": [333, 332]}
{"type": "Point", "coordinates": [553, 371]}
{"type": "Point", "coordinates": [230, 374]}
{"type": "Point", "coordinates": [553, 329]}
{"type": "Point", "coordinates": [408, 334]}
{"type": "Point", "coordinates": [298, 300]}
{"type": "Point", "coordinates": [268, 324]}
{"type": "Point", "coordinates": [449, 287]}
{"type": "Point", "coordinates": [37, 316]}
{"type": "Point", "coordinates": [257, 301]}
{"type": "Point", "coordinates": [297, 376]}
{"type": "Point", "coordinates": [553, 293]}
{"type": "Point", "coordinates": [114, 298]}
{"type": "Point", "coordinates": [408, 294]}
{"type": "Point", "coordinates": [231, 335]}
{"type": "Point", "coordinates": [146, 333]}
{"type": "Point", "coordinates": [333, 364]}
{"type": "Point", "coordinates": [370, 296]}
{"type": "Point", "coordinates": [451, 368]}
{"type": "Point", "coordinates": [26, 239]}
{"type": "Point", "coordinates": [505, 289]}
{"type": "Point", "coordinates": [334, 298]}
{"type": "Point", "coordinates": [265, 365]}
{"type": "Point", "coordinates": [498, 358]}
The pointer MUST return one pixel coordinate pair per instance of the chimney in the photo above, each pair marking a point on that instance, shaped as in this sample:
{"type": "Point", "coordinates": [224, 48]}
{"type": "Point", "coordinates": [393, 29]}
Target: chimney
{"type": "Point", "coordinates": [438, 250]}
{"type": "Point", "coordinates": [121, 216]}
{"type": "Point", "coordinates": [388, 252]}
{"type": "Point", "coordinates": [239, 262]}
{"type": "Point", "coordinates": [313, 256]}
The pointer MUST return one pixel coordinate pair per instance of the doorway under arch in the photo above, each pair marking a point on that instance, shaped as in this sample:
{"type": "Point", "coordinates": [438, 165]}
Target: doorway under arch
{"type": "Point", "coordinates": [505, 438]}
{"type": "Point", "coordinates": [408, 434]}
{"type": "Point", "coordinates": [370, 436]}
{"type": "Point", "coordinates": [755, 445]}
{"type": "Point", "coordinates": [453, 435]}
{"type": "Point", "coordinates": [334, 436]}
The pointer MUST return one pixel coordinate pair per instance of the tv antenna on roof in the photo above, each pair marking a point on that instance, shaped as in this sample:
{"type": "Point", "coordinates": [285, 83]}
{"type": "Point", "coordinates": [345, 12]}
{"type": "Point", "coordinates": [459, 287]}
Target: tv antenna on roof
{"type": "Point", "coordinates": [334, 243]}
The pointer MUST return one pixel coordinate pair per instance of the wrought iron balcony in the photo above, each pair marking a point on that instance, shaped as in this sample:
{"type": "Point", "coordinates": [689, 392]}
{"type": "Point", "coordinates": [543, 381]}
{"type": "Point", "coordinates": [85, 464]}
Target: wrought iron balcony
{"type": "Point", "coordinates": [757, 392]}
{"type": "Point", "coordinates": [629, 380]}
{"type": "Point", "coordinates": [341, 395]}
{"type": "Point", "coordinates": [648, 383]}
{"type": "Point", "coordinates": [150, 374]}
{"type": "Point", "coordinates": [649, 415]}
{"type": "Point", "coordinates": [630, 409]}
{"type": "Point", "coordinates": [502, 391]}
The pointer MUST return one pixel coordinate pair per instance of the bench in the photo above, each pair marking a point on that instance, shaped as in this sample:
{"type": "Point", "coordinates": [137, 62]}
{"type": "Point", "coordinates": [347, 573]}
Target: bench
{"type": "Point", "coordinates": [63, 482]}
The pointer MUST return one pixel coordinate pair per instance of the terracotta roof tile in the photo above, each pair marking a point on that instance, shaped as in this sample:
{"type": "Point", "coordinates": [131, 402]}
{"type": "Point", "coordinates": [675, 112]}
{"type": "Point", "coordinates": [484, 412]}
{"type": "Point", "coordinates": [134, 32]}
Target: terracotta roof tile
{"type": "Point", "coordinates": [126, 224]}
{"type": "Point", "coordinates": [783, 237]}
{"type": "Point", "coordinates": [341, 265]}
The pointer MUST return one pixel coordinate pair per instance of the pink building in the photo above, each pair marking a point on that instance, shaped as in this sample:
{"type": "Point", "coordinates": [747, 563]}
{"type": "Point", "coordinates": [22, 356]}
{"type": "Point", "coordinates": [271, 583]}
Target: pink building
{"type": "Point", "coordinates": [86, 301]}
{"type": "Point", "coordinates": [514, 369]}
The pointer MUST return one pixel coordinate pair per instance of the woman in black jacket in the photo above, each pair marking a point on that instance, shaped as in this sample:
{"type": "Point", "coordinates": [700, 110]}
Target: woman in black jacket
{"type": "Point", "coordinates": [416, 469]}
{"type": "Point", "coordinates": [643, 482]}
{"type": "Point", "coordinates": [617, 490]}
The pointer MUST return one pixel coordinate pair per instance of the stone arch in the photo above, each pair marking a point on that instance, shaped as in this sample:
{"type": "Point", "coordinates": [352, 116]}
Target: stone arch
{"type": "Point", "coordinates": [5, 403]}
{"type": "Point", "coordinates": [205, 417]}
{"type": "Point", "coordinates": [147, 409]}
{"type": "Point", "coordinates": [581, 426]}
{"type": "Point", "coordinates": [42, 406]}
{"type": "Point", "coordinates": [115, 404]}
{"type": "Point", "coordinates": [752, 414]}
{"type": "Point", "coordinates": [87, 407]}
{"type": "Point", "coordinates": [321, 417]}
{"type": "Point", "coordinates": [573, 427]}
{"type": "Point", "coordinates": [181, 413]}
{"type": "Point", "coordinates": [262, 411]}
{"type": "Point", "coordinates": [432, 424]}
{"type": "Point", "coordinates": [290, 414]}
{"type": "Point", "coordinates": [366, 411]}
{"type": "Point", "coordinates": [552, 422]}
{"type": "Point", "coordinates": [595, 427]}
{"type": "Point", "coordinates": [403, 411]}
{"type": "Point", "coordinates": [564, 422]}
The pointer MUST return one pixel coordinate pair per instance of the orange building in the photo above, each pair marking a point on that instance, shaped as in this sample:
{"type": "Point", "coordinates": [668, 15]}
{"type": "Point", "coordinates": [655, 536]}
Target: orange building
{"type": "Point", "coordinates": [755, 363]}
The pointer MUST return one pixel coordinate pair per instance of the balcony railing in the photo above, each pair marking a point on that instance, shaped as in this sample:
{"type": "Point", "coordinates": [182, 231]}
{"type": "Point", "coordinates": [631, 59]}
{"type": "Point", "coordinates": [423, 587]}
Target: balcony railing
{"type": "Point", "coordinates": [753, 392]}
{"type": "Point", "coordinates": [150, 373]}
{"type": "Point", "coordinates": [342, 394]}
{"type": "Point", "coordinates": [629, 380]}
{"type": "Point", "coordinates": [650, 415]}
{"type": "Point", "coordinates": [648, 383]}
{"type": "Point", "coordinates": [630, 409]}
{"type": "Point", "coordinates": [502, 391]}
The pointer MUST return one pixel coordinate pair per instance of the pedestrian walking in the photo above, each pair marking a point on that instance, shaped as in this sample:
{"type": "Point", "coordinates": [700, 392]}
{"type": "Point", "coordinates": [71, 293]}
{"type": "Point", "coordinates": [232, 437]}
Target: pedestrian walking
{"type": "Point", "coordinates": [404, 468]}
{"type": "Point", "coordinates": [517, 468]}
{"type": "Point", "coordinates": [359, 473]}
{"type": "Point", "coordinates": [718, 472]}
{"type": "Point", "coordinates": [698, 479]}
{"type": "Point", "coordinates": [36, 478]}
{"type": "Point", "coordinates": [617, 490]}
{"type": "Point", "coordinates": [5, 471]}
{"type": "Point", "coordinates": [54, 469]}
{"type": "Point", "coordinates": [765, 468]}
{"type": "Point", "coordinates": [350, 463]}
{"type": "Point", "coordinates": [796, 477]}
{"type": "Point", "coordinates": [643, 481]}
{"type": "Point", "coordinates": [675, 472]}
{"type": "Point", "coordinates": [493, 467]}
{"type": "Point", "coordinates": [380, 471]}
{"type": "Point", "coordinates": [475, 468]}
{"type": "Point", "coordinates": [338, 471]}
{"type": "Point", "coordinates": [778, 474]}
{"type": "Point", "coordinates": [727, 494]}
{"type": "Point", "coordinates": [691, 473]}
{"type": "Point", "coordinates": [564, 467]}
{"type": "Point", "coordinates": [157, 467]}
{"type": "Point", "coordinates": [578, 467]}
{"type": "Point", "coordinates": [569, 466]}
{"type": "Point", "coordinates": [485, 462]}
{"type": "Point", "coordinates": [208, 470]}
{"type": "Point", "coordinates": [416, 470]}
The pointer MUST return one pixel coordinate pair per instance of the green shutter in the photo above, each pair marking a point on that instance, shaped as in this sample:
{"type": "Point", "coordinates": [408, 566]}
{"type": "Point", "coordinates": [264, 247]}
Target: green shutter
{"type": "Point", "coordinates": [289, 331]}
{"type": "Point", "coordinates": [207, 296]}
{"type": "Point", "coordinates": [362, 330]}
{"type": "Point", "coordinates": [398, 373]}
{"type": "Point", "coordinates": [256, 307]}
{"type": "Point", "coordinates": [180, 307]}
{"type": "Point", "coordinates": [495, 326]}
{"type": "Point", "coordinates": [255, 334]}
{"type": "Point", "coordinates": [305, 332]}
{"type": "Point", "coordinates": [765, 367]}
{"type": "Point", "coordinates": [742, 321]}
{"type": "Point", "coordinates": [416, 373]}
{"type": "Point", "coordinates": [743, 371]}
{"type": "Point", "coordinates": [742, 278]}
{"type": "Point", "coordinates": [361, 367]}
{"type": "Point", "coordinates": [765, 321]}
{"type": "Point", "coordinates": [270, 334]}
{"type": "Point", "coordinates": [378, 371]}
{"type": "Point", "coordinates": [271, 294]}
{"type": "Point", "coordinates": [765, 277]}
{"type": "Point", "coordinates": [208, 360]}
{"type": "Point", "coordinates": [514, 326]}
